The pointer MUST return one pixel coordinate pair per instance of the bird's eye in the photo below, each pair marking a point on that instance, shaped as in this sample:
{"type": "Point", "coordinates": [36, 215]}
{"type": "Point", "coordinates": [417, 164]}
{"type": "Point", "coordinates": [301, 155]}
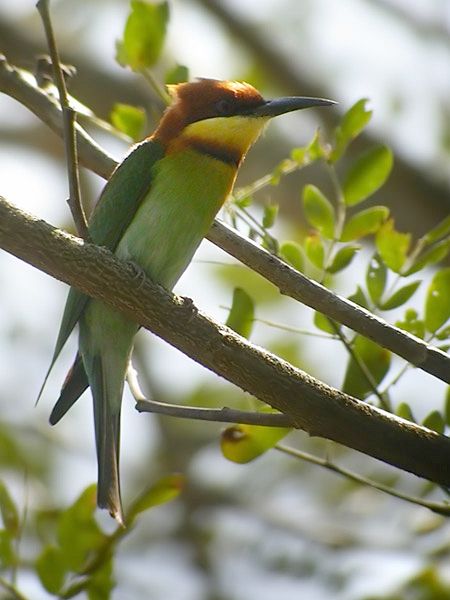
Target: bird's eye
{"type": "Point", "coordinates": [223, 107]}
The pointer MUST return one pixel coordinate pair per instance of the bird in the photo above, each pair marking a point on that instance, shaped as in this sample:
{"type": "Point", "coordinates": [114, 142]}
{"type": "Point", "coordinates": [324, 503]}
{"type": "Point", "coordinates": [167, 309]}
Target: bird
{"type": "Point", "coordinates": [154, 211]}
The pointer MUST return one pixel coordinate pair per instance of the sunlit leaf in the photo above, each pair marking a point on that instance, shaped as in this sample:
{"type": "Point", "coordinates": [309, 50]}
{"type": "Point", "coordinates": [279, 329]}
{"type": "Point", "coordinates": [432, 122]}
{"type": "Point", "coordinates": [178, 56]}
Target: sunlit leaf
{"type": "Point", "coordinates": [376, 277]}
{"type": "Point", "coordinates": [7, 553]}
{"type": "Point", "coordinates": [392, 246]}
{"type": "Point", "coordinates": [129, 120]}
{"type": "Point", "coordinates": [400, 296]}
{"type": "Point", "coordinates": [432, 256]}
{"type": "Point", "coordinates": [254, 284]}
{"type": "Point", "coordinates": [242, 313]}
{"type": "Point", "coordinates": [270, 214]}
{"type": "Point", "coordinates": [243, 443]}
{"type": "Point", "coordinates": [299, 155]}
{"type": "Point", "coordinates": [441, 230]}
{"type": "Point", "coordinates": [178, 74]}
{"type": "Point", "coordinates": [367, 175]}
{"type": "Point", "coordinates": [144, 34]}
{"type": "Point", "coordinates": [51, 569]}
{"type": "Point", "coordinates": [8, 510]}
{"type": "Point", "coordinates": [359, 297]}
{"type": "Point", "coordinates": [404, 411]}
{"type": "Point", "coordinates": [323, 323]}
{"type": "Point", "coordinates": [364, 223]}
{"type": "Point", "coordinates": [343, 258]}
{"type": "Point", "coordinates": [435, 421]}
{"type": "Point", "coordinates": [444, 333]}
{"type": "Point", "coordinates": [412, 324]}
{"type": "Point", "coordinates": [314, 250]}
{"type": "Point", "coordinates": [437, 303]}
{"type": "Point", "coordinates": [352, 123]}
{"type": "Point", "coordinates": [377, 361]}
{"type": "Point", "coordinates": [166, 489]}
{"type": "Point", "coordinates": [292, 253]}
{"type": "Point", "coordinates": [318, 210]}
{"type": "Point", "coordinates": [315, 148]}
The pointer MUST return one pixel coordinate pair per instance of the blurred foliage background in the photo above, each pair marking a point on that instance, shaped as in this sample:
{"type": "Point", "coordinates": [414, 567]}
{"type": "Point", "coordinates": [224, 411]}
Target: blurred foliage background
{"type": "Point", "coordinates": [276, 527]}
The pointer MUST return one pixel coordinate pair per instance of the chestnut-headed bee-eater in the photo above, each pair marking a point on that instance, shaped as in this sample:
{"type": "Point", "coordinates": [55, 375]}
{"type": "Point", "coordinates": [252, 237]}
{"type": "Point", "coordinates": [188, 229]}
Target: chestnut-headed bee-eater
{"type": "Point", "coordinates": [154, 211]}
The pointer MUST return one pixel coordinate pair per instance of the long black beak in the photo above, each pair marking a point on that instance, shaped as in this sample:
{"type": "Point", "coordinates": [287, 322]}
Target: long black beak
{"type": "Point", "coordinates": [279, 106]}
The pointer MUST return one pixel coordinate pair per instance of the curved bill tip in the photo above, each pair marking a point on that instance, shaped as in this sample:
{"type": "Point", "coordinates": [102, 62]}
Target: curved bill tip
{"type": "Point", "coordinates": [279, 106]}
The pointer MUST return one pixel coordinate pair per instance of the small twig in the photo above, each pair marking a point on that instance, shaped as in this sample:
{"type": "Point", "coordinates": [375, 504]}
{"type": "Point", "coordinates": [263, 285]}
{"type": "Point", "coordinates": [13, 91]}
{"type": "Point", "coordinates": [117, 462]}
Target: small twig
{"type": "Point", "coordinates": [12, 590]}
{"type": "Point", "coordinates": [69, 119]}
{"type": "Point", "coordinates": [441, 508]}
{"type": "Point", "coordinates": [220, 415]}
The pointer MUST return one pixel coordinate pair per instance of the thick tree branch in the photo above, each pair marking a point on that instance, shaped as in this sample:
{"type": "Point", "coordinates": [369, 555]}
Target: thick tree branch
{"type": "Point", "coordinates": [312, 405]}
{"type": "Point", "coordinates": [290, 282]}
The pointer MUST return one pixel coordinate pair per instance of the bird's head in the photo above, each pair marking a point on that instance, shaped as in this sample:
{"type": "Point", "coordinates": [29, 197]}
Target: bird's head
{"type": "Point", "coordinates": [224, 117]}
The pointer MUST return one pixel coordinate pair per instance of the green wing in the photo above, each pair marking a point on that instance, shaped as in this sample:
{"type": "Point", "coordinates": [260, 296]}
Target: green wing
{"type": "Point", "coordinates": [117, 205]}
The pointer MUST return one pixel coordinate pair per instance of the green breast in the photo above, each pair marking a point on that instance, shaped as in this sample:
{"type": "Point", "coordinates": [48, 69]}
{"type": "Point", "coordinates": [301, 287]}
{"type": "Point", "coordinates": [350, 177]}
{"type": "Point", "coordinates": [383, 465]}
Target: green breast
{"type": "Point", "coordinates": [188, 189]}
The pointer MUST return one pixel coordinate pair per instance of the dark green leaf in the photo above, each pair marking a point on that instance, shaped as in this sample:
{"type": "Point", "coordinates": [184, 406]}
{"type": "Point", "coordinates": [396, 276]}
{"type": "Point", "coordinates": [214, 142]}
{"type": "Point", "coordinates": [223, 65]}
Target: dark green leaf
{"type": "Point", "coordinates": [367, 175]}
{"type": "Point", "coordinates": [270, 214]}
{"type": "Point", "coordinates": [8, 510]}
{"type": "Point", "coordinates": [437, 303]}
{"type": "Point", "coordinates": [323, 323]}
{"type": "Point", "coordinates": [376, 278]}
{"type": "Point", "coordinates": [292, 253]}
{"type": "Point", "coordinates": [432, 256]}
{"type": "Point", "coordinates": [343, 258]}
{"type": "Point", "coordinates": [392, 246]}
{"type": "Point", "coordinates": [178, 74]}
{"type": "Point", "coordinates": [353, 122]}
{"type": "Point", "coordinates": [404, 411]}
{"type": "Point", "coordinates": [364, 223]}
{"type": "Point", "coordinates": [166, 489]}
{"type": "Point", "coordinates": [314, 250]}
{"type": "Point", "coordinates": [144, 34]}
{"type": "Point", "coordinates": [412, 324]}
{"type": "Point", "coordinates": [441, 230]}
{"type": "Point", "coordinates": [434, 421]}
{"type": "Point", "coordinates": [359, 298]}
{"type": "Point", "coordinates": [101, 583]}
{"type": "Point", "coordinates": [318, 210]}
{"type": "Point", "coordinates": [242, 313]}
{"type": "Point", "coordinates": [51, 569]}
{"type": "Point", "coordinates": [7, 554]}
{"type": "Point", "coordinates": [244, 443]}
{"type": "Point", "coordinates": [401, 296]}
{"type": "Point", "coordinates": [377, 361]}
{"type": "Point", "coordinates": [129, 120]}
{"type": "Point", "coordinates": [443, 334]}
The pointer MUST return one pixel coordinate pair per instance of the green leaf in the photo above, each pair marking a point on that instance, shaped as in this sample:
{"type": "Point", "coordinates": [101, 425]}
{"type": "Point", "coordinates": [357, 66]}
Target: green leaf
{"type": "Point", "coordinates": [299, 155]}
{"type": "Point", "coordinates": [242, 313]}
{"type": "Point", "coordinates": [314, 250]}
{"type": "Point", "coordinates": [343, 258]}
{"type": "Point", "coordinates": [166, 489]}
{"type": "Point", "coordinates": [376, 277]}
{"type": "Point", "coordinates": [244, 443]}
{"type": "Point", "coordinates": [412, 324]}
{"type": "Point", "coordinates": [77, 531]}
{"type": "Point", "coordinates": [318, 210]}
{"type": "Point", "coordinates": [353, 122]}
{"type": "Point", "coordinates": [377, 361]}
{"type": "Point", "coordinates": [364, 223]}
{"type": "Point", "coordinates": [359, 297]}
{"type": "Point", "coordinates": [323, 323]}
{"type": "Point", "coordinates": [178, 74]}
{"type": "Point", "coordinates": [128, 119]}
{"type": "Point", "coordinates": [7, 554]}
{"type": "Point", "coordinates": [101, 583]}
{"type": "Point", "coordinates": [144, 35]}
{"type": "Point", "coordinates": [367, 175]}
{"type": "Point", "coordinates": [401, 296]}
{"type": "Point", "coordinates": [441, 230]}
{"type": "Point", "coordinates": [443, 334]}
{"type": "Point", "coordinates": [270, 214]}
{"type": "Point", "coordinates": [8, 510]}
{"type": "Point", "coordinates": [435, 421]}
{"type": "Point", "coordinates": [432, 256]}
{"type": "Point", "coordinates": [392, 246]}
{"type": "Point", "coordinates": [437, 303]}
{"type": "Point", "coordinates": [292, 253]}
{"type": "Point", "coordinates": [51, 569]}
{"type": "Point", "coordinates": [404, 411]}
{"type": "Point", "coordinates": [315, 149]}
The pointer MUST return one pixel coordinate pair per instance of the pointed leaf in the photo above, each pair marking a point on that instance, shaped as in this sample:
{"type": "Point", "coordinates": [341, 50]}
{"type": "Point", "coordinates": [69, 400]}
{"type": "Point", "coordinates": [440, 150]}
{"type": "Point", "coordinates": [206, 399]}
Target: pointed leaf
{"type": "Point", "coordinates": [7, 555]}
{"type": "Point", "coordinates": [377, 361]}
{"type": "Point", "coordinates": [392, 246]}
{"type": "Point", "coordinates": [314, 250]}
{"type": "Point", "coordinates": [343, 258]}
{"type": "Point", "coordinates": [244, 443]}
{"type": "Point", "coordinates": [292, 253]}
{"type": "Point", "coordinates": [144, 34]}
{"type": "Point", "coordinates": [432, 256]}
{"type": "Point", "coordinates": [315, 148]}
{"type": "Point", "coordinates": [359, 298]}
{"type": "Point", "coordinates": [129, 120]}
{"type": "Point", "coordinates": [404, 411]}
{"type": "Point", "coordinates": [242, 313]}
{"type": "Point", "coordinates": [364, 223]}
{"type": "Point", "coordinates": [102, 582]}
{"type": "Point", "coordinates": [412, 323]}
{"type": "Point", "coordinates": [323, 323]}
{"type": "Point", "coordinates": [270, 214]}
{"type": "Point", "coordinates": [441, 230]}
{"type": "Point", "coordinates": [434, 421]}
{"type": "Point", "coordinates": [376, 278]}
{"type": "Point", "coordinates": [353, 122]}
{"type": "Point", "coordinates": [437, 303]}
{"type": "Point", "coordinates": [51, 569]}
{"type": "Point", "coordinates": [318, 210]}
{"type": "Point", "coordinates": [8, 510]}
{"type": "Point", "coordinates": [401, 296]}
{"type": "Point", "coordinates": [367, 175]}
{"type": "Point", "coordinates": [166, 489]}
